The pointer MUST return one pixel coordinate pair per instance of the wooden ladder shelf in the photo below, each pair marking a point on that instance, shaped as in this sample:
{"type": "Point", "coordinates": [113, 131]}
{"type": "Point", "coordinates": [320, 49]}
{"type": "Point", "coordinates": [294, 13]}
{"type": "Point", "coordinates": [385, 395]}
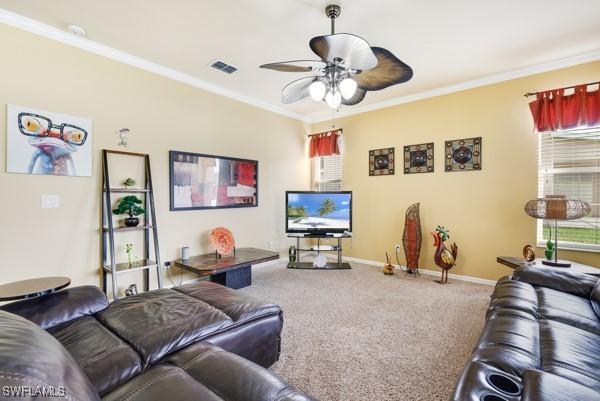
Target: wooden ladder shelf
{"type": "Point", "coordinates": [148, 227]}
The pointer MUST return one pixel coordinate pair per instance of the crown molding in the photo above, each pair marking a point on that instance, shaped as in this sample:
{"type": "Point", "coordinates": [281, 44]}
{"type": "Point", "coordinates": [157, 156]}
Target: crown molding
{"type": "Point", "coordinates": [50, 32]}
{"type": "Point", "coordinates": [461, 86]}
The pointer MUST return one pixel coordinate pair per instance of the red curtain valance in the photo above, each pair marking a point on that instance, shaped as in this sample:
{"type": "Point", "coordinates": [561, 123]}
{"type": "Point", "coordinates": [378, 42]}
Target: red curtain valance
{"type": "Point", "coordinates": [325, 144]}
{"type": "Point", "coordinates": [553, 110]}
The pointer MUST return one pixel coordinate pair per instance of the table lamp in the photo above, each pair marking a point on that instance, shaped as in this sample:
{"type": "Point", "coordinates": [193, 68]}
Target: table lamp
{"type": "Point", "coordinates": [557, 207]}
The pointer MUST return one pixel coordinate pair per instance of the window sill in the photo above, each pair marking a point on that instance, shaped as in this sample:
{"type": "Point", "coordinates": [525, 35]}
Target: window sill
{"type": "Point", "coordinates": [583, 248]}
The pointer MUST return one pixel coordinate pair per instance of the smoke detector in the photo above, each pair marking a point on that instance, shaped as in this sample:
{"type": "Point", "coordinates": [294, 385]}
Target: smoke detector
{"type": "Point", "coordinates": [76, 30]}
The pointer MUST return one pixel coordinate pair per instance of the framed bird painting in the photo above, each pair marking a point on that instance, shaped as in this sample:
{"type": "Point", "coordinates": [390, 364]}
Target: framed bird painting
{"type": "Point", "coordinates": [47, 143]}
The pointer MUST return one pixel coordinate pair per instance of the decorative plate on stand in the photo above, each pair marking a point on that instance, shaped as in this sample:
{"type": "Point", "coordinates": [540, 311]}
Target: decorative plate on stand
{"type": "Point", "coordinates": [221, 239]}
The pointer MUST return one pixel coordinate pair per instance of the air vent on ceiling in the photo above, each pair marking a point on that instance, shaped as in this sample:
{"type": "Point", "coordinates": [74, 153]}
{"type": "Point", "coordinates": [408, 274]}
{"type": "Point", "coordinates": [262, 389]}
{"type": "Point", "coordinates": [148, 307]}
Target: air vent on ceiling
{"type": "Point", "coordinates": [221, 66]}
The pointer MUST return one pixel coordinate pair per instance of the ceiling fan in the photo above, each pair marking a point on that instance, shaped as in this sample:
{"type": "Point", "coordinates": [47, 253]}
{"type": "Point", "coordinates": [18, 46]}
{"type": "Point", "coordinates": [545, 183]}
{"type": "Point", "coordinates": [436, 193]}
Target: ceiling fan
{"type": "Point", "coordinates": [349, 67]}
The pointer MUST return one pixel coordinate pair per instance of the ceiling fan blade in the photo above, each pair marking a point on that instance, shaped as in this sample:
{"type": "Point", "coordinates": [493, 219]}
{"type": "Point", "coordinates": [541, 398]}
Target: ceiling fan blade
{"type": "Point", "coordinates": [296, 90]}
{"type": "Point", "coordinates": [358, 97]}
{"type": "Point", "coordinates": [389, 71]}
{"type": "Point", "coordinates": [296, 66]}
{"type": "Point", "coordinates": [354, 51]}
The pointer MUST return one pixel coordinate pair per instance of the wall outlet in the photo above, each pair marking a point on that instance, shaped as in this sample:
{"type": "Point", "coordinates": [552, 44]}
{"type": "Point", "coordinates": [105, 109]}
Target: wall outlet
{"type": "Point", "coordinates": [167, 265]}
{"type": "Point", "coordinates": [397, 248]}
{"type": "Point", "coordinates": [50, 201]}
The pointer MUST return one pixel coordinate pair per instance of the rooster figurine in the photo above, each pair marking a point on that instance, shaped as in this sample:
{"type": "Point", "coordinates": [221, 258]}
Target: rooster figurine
{"type": "Point", "coordinates": [443, 257]}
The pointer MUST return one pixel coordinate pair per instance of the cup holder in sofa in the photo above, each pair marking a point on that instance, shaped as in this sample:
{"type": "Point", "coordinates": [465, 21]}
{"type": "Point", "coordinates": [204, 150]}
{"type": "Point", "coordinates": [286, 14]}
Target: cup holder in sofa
{"type": "Point", "coordinates": [503, 384]}
{"type": "Point", "coordinates": [492, 397]}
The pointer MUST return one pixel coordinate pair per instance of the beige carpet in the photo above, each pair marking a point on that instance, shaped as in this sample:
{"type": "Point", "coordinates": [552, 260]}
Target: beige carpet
{"type": "Point", "coordinates": [357, 335]}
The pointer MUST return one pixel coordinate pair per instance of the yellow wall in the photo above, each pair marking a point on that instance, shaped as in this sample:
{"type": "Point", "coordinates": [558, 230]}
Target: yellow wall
{"type": "Point", "coordinates": [163, 115]}
{"type": "Point", "coordinates": [482, 209]}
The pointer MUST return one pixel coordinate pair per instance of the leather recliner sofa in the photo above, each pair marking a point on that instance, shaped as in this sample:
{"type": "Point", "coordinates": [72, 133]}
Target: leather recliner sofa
{"type": "Point", "coordinates": [540, 342]}
{"type": "Point", "coordinates": [195, 342]}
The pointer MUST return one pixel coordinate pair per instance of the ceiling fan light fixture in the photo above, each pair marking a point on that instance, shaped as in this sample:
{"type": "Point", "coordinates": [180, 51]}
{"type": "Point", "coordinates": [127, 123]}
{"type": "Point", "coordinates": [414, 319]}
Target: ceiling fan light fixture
{"type": "Point", "coordinates": [348, 67]}
{"type": "Point", "coordinates": [333, 100]}
{"type": "Point", "coordinates": [317, 91]}
{"type": "Point", "coordinates": [347, 87]}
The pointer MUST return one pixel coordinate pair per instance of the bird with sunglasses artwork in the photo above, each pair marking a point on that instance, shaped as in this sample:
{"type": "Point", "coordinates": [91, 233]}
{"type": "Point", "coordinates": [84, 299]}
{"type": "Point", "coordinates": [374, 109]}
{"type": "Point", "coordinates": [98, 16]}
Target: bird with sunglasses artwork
{"type": "Point", "coordinates": [54, 144]}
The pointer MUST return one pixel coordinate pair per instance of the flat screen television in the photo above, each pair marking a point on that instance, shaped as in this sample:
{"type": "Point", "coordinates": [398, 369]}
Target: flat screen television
{"type": "Point", "coordinates": [318, 212]}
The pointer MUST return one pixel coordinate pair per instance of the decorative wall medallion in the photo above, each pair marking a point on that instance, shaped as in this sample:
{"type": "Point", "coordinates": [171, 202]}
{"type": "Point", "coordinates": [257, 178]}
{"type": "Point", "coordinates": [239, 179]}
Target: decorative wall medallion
{"type": "Point", "coordinates": [418, 158]}
{"type": "Point", "coordinates": [463, 154]}
{"type": "Point", "coordinates": [381, 161]}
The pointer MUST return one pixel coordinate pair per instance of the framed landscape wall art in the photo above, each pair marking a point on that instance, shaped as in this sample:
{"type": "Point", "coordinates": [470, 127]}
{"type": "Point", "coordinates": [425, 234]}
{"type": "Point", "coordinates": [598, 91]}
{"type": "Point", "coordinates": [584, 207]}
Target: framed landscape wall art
{"type": "Point", "coordinates": [463, 154]}
{"type": "Point", "coordinates": [47, 143]}
{"type": "Point", "coordinates": [381, 161]}
{"type": "Point", "coordinates": [418, 158]}
{"type": "Point", "coordinates": [199, 181]}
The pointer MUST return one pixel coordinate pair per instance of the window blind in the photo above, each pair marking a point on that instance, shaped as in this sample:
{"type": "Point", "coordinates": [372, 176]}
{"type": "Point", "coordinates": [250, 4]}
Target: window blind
{"type": "Point", "coordinates": [569, 164]}
{"type": "Point", "coordinates": [328, 173]}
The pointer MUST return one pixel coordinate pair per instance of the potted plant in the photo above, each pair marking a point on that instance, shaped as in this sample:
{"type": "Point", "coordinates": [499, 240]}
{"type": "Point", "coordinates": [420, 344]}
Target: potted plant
{"type": "Point", "coordinates": [129, 205]}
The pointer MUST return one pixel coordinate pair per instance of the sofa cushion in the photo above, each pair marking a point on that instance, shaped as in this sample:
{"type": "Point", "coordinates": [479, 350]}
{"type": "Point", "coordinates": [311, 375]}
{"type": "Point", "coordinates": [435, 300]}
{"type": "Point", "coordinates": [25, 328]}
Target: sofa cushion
{"type": "Point", "coordinates": [569, 309]}
{"type": "Point", "coordinates": [31, 357]}
{"type": "Point", "coordinates": [542, 386]}
{"type": "Point", "coordinates": [158, 322]}
{"type": "Point", "coordinates": [205, 372]}
{"type": "Point", "coordinates": [238, 307]}
{"type": "Point", "coordinates": [105, 358]}
{"type": "Point", "coordinates": [558, 279]}
{"type": "Point", "coordinates": [60, 307]}
{"type": "Point", "coordinates": [570, 352]}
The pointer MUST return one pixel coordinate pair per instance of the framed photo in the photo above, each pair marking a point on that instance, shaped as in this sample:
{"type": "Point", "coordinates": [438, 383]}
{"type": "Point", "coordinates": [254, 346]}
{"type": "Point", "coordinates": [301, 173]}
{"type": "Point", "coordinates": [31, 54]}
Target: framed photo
{"type": "Point", "coordinates": [463, 154]}
{"type": "Point", "coordinates": [418, 158]}
{"type": "Point", "coordinates": [381, 161]}
{"type": "Point", "coordinates": [47, 143]}
{"type": "Point", "coordinates": [199, 181]}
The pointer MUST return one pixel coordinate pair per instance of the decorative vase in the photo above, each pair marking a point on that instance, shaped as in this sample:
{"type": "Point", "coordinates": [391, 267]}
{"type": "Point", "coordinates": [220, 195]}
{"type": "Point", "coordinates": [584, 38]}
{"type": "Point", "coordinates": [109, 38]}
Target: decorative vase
{"type": "Point", "coordinates": [131, 221]}
{"type": "Point", "coordinates": [292, 254]}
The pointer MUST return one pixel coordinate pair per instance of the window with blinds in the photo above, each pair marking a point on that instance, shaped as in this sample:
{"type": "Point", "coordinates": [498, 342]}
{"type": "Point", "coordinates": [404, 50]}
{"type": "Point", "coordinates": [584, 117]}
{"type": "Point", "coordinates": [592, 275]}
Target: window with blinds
{"type": "Point", "coordinates": [569, 164]}
{"type": "Point", "coordinates": [328, 173]}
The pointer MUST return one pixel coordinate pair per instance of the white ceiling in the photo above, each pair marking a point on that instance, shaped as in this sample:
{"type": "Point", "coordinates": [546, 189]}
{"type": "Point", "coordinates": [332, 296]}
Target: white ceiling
{"type": "Point", "coordinates": [445, 42]}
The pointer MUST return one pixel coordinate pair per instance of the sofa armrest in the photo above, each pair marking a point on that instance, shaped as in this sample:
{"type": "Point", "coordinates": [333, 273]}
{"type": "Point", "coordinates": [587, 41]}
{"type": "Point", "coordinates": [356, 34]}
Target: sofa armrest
{"type": "Point", "coordinates": [559, 279]}
{"type": "Point", "coordinates": [53, 309]}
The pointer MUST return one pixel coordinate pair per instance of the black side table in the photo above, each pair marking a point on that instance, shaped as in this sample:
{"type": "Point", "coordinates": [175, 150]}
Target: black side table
{"type": "Point", "coordinates": [32, 288]}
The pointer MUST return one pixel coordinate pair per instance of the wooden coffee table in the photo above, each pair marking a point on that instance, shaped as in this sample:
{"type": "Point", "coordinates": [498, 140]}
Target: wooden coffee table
{"type": "Point", "coordinates": [233, 271]}
{"type": "Point", "coordinates": [515, 263]}
{"type": "Point", "coordinates": [32, 288]}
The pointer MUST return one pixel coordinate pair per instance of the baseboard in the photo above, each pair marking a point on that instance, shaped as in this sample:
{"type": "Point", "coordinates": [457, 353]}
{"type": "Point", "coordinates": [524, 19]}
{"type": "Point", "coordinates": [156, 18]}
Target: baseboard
{"type": "Point", "coordinates": [460, 277]}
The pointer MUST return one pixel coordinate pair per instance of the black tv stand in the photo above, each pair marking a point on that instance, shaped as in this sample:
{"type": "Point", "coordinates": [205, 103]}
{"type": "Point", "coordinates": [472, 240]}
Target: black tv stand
{"type": "Point", "coordinates": [338, 265]}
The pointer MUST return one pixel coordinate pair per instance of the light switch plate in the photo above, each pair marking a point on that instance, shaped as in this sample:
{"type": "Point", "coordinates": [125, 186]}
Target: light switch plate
{"type": "Point", "coordinates": [50, 201]}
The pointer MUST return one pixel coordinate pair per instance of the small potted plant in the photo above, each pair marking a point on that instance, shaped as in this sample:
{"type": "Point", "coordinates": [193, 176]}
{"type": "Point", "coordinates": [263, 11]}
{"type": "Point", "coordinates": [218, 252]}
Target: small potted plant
{"type": "Point", "coordinates": [129, 183]}
{"type": "Point", "coordinates": [129, 205]}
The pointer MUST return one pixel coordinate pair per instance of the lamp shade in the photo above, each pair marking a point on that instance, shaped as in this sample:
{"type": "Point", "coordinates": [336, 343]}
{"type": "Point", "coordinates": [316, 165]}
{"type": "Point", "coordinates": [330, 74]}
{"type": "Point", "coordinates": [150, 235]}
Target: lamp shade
{"type": "Point", "coordinates": [557, 207]}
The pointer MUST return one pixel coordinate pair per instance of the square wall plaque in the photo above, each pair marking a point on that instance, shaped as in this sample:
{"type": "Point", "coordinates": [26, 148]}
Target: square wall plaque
{"type": "Point", "coordinates": [463, 154]}
{"type": "Point", "coordinates": [418, 158]}
{"type": "Point", "coordinates": [381, 161]}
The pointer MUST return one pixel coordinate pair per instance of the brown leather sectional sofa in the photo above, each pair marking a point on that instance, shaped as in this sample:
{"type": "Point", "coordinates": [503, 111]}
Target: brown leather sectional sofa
{"type": "Point", "coordinates": [541, 340]}
{"type": "Point", "coordinates": [195, 342]}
